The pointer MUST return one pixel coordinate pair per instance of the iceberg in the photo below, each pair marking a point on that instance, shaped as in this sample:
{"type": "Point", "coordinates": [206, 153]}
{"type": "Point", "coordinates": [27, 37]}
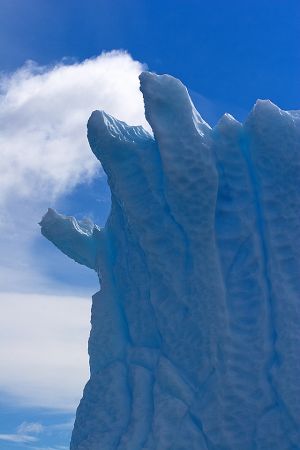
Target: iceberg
{"type": "Point", "coordinates": [195, 338]}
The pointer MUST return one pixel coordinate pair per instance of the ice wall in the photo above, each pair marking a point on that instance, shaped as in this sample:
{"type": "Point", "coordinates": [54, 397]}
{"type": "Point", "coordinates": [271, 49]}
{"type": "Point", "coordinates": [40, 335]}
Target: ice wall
{"type": "Point", "coordinates": [195, 340]}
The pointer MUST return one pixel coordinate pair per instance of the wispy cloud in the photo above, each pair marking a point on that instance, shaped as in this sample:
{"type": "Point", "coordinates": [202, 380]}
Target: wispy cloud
{"type": "Point", "coordinates": [18, 438]}
{"type": "Point", "coordinates": [31, 432]}
{"type": "Point", "coordinates": [56, 447]}
{"type": "Point", "coordinates": [212, 110]}
{"type": "Point", "coordinates": [63, 426]}
{"type": "Point", "coordinates": [30, 427]}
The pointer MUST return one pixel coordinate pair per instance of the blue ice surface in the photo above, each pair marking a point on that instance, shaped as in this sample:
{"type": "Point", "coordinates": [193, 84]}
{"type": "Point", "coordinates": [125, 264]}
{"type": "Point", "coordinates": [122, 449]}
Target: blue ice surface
{"type": "Point", "coordinates": [195, 340]}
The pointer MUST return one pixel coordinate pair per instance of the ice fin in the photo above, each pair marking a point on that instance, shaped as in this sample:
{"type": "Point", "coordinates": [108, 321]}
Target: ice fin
{"type": "Point", "coordinates": [74, 238]}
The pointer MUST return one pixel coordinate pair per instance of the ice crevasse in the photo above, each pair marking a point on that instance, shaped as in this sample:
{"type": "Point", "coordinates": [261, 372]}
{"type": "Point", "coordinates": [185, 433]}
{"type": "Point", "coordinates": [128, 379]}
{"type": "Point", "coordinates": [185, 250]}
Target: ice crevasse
{"type": "Point", "coordinates": [195, 339]}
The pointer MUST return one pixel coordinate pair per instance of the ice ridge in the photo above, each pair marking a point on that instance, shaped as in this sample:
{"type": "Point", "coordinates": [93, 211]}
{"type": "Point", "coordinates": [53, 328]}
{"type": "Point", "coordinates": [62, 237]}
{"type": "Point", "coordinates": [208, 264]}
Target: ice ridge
{"type": "Point", "coordinates": [195, 339]}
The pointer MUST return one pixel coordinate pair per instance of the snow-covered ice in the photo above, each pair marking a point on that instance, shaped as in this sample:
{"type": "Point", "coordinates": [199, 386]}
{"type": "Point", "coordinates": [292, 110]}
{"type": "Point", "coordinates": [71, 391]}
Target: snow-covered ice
{"type": "Point", "coordinates": [195, 339]}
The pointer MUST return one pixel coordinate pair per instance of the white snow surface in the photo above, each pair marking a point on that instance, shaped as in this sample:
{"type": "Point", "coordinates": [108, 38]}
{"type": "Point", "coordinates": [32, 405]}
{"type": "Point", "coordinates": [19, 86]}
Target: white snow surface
{"type": "Point", "coordinates": [195, 340]}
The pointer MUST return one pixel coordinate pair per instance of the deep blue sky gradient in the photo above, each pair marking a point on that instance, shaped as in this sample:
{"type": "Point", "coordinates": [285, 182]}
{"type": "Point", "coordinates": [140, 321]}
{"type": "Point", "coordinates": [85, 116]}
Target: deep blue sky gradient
{"type": "Point", "coordinates": [230, 52]}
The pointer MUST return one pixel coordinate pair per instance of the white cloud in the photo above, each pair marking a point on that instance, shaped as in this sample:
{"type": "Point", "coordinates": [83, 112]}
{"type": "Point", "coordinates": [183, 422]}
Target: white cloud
{"type": "Point", "coordinates": [43, 116]}
{"type": "Point", "coordinates": [18, 438]}
{"type": "Point", "coordinates": [25, 431]}
{"type": "Point", "coordinates": [43, 352]}
{"type": "Point", "coordinates": [43, 146]}
{"type": "Point", "coordinates": [57, 447]}
{"type": "Point", "coordinates": [30, 427]}
{"type": "Point", "coordinates": [64, 426]}
{"type": "Point", "coordinates": [44, 154]}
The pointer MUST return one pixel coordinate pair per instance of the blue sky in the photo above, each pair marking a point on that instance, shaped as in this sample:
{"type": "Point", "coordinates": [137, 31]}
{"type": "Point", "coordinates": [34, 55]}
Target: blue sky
{"type": "Point", "coordinates": [230, 51]}
{"type": "Point", "coordinates": [227, 53]}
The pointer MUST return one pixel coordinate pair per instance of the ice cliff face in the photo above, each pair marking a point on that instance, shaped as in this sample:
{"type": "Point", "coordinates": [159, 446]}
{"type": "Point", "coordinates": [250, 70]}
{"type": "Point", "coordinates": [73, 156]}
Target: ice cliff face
{"type": "Point", "coordinates": [195, 340]}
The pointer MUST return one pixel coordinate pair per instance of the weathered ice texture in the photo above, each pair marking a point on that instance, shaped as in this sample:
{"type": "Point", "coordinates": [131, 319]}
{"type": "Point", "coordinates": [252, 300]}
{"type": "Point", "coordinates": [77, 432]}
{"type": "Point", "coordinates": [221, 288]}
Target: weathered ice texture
{"type": "Point", "coordinates": [195, 340]}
